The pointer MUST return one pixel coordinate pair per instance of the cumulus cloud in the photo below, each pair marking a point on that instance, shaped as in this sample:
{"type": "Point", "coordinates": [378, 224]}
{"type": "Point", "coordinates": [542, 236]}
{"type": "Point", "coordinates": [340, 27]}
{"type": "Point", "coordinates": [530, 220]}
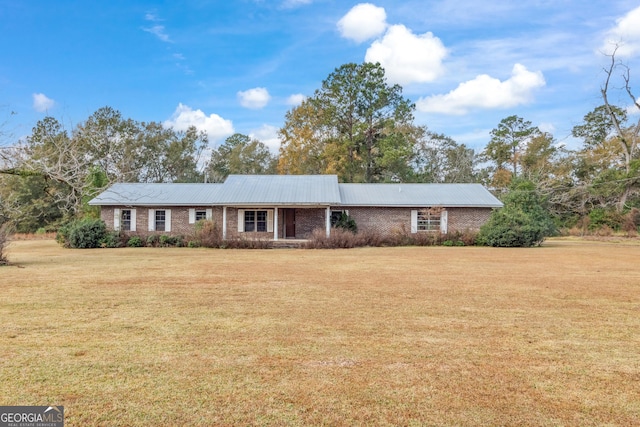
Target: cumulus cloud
{"type": "Point", "coordinates": [625, 35]}
{"type": "Point", "coordinates": [407, 57]}
{"type": "Point", "coordinates": [255, 98]}
{"type": "Point", "coordinates": [268, 135]}
{"type": "Point", "coordinates": [42, 102]}
{"type": "Point", "coordinates": [296, 99]}
{"type": "Point", "coordinates": [363, 22]}
{"type": "Point", "coordinates": [486, 92]}
{"type": "Point", "coordinates": [216, 127]}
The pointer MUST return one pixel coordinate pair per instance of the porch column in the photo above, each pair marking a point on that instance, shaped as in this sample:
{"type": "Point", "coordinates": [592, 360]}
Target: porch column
{"type": "Point", "coordinates": [224, 223]}
{"type": "Point", "coordinates": [275, 223]}
{"type": "Point", "coordinates": [328, 220]}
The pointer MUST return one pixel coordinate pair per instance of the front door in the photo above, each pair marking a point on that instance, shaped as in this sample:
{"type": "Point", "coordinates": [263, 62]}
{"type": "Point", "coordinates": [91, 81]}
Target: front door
{"type": "Point", "coordinates": [290, 223]}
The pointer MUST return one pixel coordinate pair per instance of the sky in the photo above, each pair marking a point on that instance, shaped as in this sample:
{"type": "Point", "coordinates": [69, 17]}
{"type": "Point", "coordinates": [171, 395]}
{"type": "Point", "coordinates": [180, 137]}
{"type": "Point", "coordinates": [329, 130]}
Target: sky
{"type": "Point", "coordinates": [239, 66]}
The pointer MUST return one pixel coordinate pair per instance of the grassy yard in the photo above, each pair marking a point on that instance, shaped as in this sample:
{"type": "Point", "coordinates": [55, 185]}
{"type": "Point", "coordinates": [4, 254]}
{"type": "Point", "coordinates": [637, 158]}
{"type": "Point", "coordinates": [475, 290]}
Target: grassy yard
{"type": "Point", "coordinates": [376, 336]}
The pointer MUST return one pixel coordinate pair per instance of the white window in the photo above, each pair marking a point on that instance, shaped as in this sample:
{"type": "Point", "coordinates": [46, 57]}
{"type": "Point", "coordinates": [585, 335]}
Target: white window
{"type": "Point", "coordinates": [124, 219]}
{"type": "Point", "coordinates": [255, 220]}
{"type": "Point", "coordinates": [160, 220]}
{"type": "Point", "coordinates": [429, 220]}
{"type": "Point", "coordinates": [196, 215]}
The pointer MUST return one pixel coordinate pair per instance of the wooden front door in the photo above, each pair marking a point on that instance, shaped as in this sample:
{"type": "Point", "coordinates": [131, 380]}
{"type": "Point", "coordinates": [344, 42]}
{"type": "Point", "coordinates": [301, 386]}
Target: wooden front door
{"type": "Point", "coordinates": [290, 223]}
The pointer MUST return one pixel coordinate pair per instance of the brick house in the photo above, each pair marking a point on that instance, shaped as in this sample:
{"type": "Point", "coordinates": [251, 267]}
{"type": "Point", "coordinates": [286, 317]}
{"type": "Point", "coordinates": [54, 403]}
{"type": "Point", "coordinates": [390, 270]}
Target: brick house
{"type": "Point", "coordinates": [293, 206]}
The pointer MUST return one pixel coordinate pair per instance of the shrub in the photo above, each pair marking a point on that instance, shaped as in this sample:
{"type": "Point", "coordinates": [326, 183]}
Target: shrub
{"type": "Point", "coordinates": [135, 242]}
{"type": "Point", "coordinates": [113, 239]}
{"type": "Point", "coordinates": [82, 234]}
{"type": "Point", "coordinates": [152, 240]}
{"type": "Point", "coordinates": [165, 240]}
{"type": "Point", "coordinates": [631, 222]}
{"type": "Point", "coordinates": [345, 222]}
{"type": "Point", "coordinates": [599, 218]}
{"type": "Point", "coordinates": [522, 222]}
{"type": "Point", "coordinates": [5, 232]}
{"type": "Point", "coordinates": [207, 234]}
{"type": "Point", "coordinates": [237, 242]}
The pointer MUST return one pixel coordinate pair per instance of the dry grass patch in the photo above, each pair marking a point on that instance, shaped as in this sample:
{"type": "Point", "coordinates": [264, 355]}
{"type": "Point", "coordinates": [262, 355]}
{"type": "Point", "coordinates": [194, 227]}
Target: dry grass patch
{"type": "Point", "coordinates": [372, 336]}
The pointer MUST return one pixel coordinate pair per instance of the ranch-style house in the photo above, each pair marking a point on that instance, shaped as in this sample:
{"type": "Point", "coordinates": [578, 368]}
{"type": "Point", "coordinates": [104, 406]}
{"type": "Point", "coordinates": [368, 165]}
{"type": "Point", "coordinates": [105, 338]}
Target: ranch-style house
{"type": "Point", "coordinates": [293, 206]}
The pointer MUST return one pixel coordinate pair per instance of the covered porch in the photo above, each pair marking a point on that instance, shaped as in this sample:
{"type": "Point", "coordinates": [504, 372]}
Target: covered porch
{"type": "Point", "coordinates": [276, 223]}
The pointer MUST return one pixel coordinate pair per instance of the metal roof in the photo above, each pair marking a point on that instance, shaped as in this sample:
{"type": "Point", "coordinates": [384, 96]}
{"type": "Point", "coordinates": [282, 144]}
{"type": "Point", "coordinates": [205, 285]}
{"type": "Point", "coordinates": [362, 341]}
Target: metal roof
{"type": "Point", "coordinates": [280, 190]}
{"type": "Point", "coordinates": [295, 190]}
{"type": "Point", "coordinates": [423, 195]}
{"type": "Point", "coordinates": [164, 194]}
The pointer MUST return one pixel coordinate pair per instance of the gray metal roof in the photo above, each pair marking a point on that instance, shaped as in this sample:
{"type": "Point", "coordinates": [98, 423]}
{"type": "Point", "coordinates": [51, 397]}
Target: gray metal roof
{"type": "Point", "coordinates": [422, 195]}
{"type": "Point", "coordinates": [279, 190]}
{"type": "Point", "coordinates": [296, 190]}
{"type": "Point", "coordinates": [130, 194]}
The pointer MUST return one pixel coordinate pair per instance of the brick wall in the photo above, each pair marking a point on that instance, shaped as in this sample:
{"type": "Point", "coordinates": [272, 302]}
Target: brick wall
{"type": "Point", "coordinates": [384, 221]}
{"type": "Point", "coordinates": [389, 221]}
{"type": "Point", "coordinates": [462, 219]}
{"type": "Point", "coordinates": [179, 218]}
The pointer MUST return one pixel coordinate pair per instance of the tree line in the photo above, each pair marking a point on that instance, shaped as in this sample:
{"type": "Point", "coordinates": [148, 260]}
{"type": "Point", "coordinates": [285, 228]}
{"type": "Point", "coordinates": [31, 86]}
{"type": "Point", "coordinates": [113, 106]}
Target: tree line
{"type": "Point", "coordinates": [356, 125]}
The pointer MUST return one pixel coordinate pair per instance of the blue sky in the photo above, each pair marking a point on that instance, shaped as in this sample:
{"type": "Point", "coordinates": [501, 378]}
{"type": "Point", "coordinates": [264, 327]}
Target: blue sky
{"type": "Point", "coordinates": [238, 66]}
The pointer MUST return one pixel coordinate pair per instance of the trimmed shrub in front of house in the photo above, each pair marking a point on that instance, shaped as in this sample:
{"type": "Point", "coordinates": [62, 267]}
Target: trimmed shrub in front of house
{"type": "Point", "coordinates": [82, 234]}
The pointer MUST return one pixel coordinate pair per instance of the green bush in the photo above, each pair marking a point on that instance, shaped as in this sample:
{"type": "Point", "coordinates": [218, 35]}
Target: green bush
{"type": "Point", "coordinates": [135, 242]}
{"type": "Point", "coordinates": [113, 239]}
{"type": "Point", "coordinates": [345, 222]}
{"type": "Point", "coordinates": [152, 240]}
{"type": "Point", "coordinates": [599, 218]}
{"type": "Point", "coordinates": [522, 222]}
{"type": "Point", "coordinates": [82, 234]}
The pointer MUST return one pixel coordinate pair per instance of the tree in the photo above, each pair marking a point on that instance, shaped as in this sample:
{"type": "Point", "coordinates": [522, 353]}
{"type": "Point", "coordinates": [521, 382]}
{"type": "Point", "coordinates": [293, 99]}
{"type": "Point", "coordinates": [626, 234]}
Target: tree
{"type": "Point", "coordinates": [439, 158]}
{"type": "Point", "coordinates": [508, 142]}
{"type": "Point", "coordinates": [627, 137]}
{"type": "Point", "coordinates": [356, 126]}
{"type": "Point", "coordinates": [52, 174]}
{"type": "Point", "coordinates": [240, 154]}
{"type": "Point", "coordinates": [303, 140]}
{"type": "Point", "coordinates": [522, 222]}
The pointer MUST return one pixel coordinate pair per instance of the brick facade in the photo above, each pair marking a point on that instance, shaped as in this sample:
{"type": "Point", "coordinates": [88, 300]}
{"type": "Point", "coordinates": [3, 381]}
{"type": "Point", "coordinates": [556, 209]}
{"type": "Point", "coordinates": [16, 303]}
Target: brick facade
{"type": "Point", "coordinates": [383, 221]}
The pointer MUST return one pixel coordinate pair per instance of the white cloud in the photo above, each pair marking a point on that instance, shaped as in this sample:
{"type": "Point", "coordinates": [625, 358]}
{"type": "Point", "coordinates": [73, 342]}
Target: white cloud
{"type": "Point", "coordinates": [42, 102]}
{"type": "Point", "coordinates": [407, 57]}
{"type": "Point", "coordinates": [255, 98]}
{"type": "Point", "coordinates": [216, 127]}
{"type": "Point", "coordinates": [363, 22]}
{"type": "Point", "coordinates": [157, 30]}
{"type": "Point", "coordinates": [268, 135]}
{"type": "Point", "coordinates": [625, 35]}
{"type": "Point", "coordinates": [486, 92]}
{"type": "Point", "coordinates": [296, 99]}
{"type": "Point", "coordinates": [547, 127]}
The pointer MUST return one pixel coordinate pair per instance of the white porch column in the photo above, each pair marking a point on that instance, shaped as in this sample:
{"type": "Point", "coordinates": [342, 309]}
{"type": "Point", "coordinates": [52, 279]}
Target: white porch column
{"type": "Point", "coordinates": [328, 220]}
{"type": "Point", "coordinates": [224, 223]}
{"type": "Point", "coordinates": [275, 223]}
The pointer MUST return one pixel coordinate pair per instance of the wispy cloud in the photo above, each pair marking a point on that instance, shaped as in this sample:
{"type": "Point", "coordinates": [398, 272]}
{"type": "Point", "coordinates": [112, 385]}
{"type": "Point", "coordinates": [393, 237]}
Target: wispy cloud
{"type": "Point", "coordinates": [42, 102]}
{"type": "Point", "coordinates": [288, 4]}
{"type": "Point", "coordinates": [296, 99]}
{"type": "Point", "coordinates": [157, 30]}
